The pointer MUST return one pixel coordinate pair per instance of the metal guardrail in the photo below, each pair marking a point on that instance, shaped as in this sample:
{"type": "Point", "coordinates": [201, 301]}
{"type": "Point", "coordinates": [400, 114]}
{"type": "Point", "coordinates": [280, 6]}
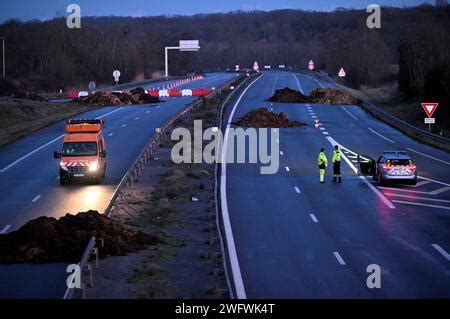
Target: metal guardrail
{"type": "Point", "coordinates": [398, 122]}
{"type": "Point", "coordinates": [84, 264]}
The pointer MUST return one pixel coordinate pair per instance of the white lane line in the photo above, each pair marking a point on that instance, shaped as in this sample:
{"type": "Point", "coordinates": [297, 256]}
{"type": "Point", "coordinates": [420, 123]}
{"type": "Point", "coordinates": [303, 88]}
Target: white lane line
{"type": "Point", "coordinates": [281, 153]}
{"type": "Point", "coordinates": [376, 133]}
{"type": "Point", "coordinates": [287, 169]}
{"type": "Point", "coordinates": [325, 133]}
{"type": "Point", "coordinates": [402, 190]}
{"type": "Point", "coordinates": [275, 84]}
{"type": "Point", "coordinates": [47, 144]}
{"type": "Point", "coordinates": [277, 140]}
{"type": "Point", "coordinates": [322, 128]}
{"type": "Point", "coordinates": [434, 181]}
{"type": "Point", "coordinates": [440, 190]}
{"type": "Point", "coordinates": [314, 116]}
{"type": "Point", "coordinates": [418, 184]}
{"type": "Point", "coordinates": [147, 112]}
{"type": "Point", "coordinates": [434, 158]}
{"type": "Point", "coordinates": [275, 130]}
{"type": "Point", "coordinates": [363, 178]}
{"type": "Point", "coordinates": [298, 84]}
{"type": "Point", "coordinates": [234, 262]}
{"type": "Point", "coordinates": [441, 251]}
{"type": "Point", "coordinates": [348, 112]}
{"type": "Point", "coordinates": [418, 197]}
{"type": "Point", "coordinates": [339, 258]}
{"type": "Point", "coordinates": [110, 134]}
{"type": "Point", "coordinates": [123, 125]}
{"type": "Point", "coordinates": [420, 204]}
{"type": "Point", "coordinates": [297, 189]}
{"type": "Point", "coordinates": [157, 107]}
{"type": "Point", "coordinates": [5, 229]}
{"type": "Point", "coordinates": [136, 118]}
{"type": "Point", "coordinates": [320, 124]}
{"type": "Point", "coordinates": [321, 85]}
{"type": "Point", "coordinates": [36, 198]}
{"type": "Point", "coordinates": [313, 217]}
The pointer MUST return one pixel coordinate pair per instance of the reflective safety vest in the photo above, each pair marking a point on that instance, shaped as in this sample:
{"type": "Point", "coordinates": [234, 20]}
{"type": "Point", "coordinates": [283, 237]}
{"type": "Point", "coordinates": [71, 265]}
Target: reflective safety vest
{"type": "Point", "coordinates": [336, 156]}
{"type": "Point", "coordinates": [322, 159]}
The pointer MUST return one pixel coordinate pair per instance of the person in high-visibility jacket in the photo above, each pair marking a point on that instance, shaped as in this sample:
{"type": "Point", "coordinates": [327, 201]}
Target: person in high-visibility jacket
{"type": "Point", "coordinates": [323, 163]}
{"type": "Point", "coordinates": [336, 164]}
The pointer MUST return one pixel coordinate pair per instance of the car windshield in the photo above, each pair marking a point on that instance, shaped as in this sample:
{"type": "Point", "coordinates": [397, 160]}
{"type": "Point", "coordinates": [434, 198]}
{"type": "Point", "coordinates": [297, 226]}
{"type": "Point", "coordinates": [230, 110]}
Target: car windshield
{"type": "Point", "coordinates": [79, 149]}
{"type": "Point", "coordinates": [400, 161]}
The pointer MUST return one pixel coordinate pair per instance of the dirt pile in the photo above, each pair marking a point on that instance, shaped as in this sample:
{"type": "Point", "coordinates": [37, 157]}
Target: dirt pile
{"type": "Point", "coordinates": [288, 95]}
{"type": "Point", "coordinates": [136, 96]}
{"type": "Point", "coordinates": [331, 96]}
{"type": "Point", "coordinates": [47, 239]}
{"type": "Point", "coordinates": [319, 95]}
{"type": "Point", "coordinates": [261, 117]}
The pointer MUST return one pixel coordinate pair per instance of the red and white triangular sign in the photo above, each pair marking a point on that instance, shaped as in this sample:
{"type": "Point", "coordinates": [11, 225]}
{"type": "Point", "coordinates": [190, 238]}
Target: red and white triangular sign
{"type": "Point", "coordinates": [311, 65]}
{"type": "Point", "coordinates": [341, 73]}
{"type": "Point", "coordinates": [429, 108]}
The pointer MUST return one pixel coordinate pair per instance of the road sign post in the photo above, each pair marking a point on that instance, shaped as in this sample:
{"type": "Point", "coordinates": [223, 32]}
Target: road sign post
{"type": "Point", "coordinates": [429, 109]}
{"type": "Point", "coordinates": [116, 75]}
{"type": "Point", "coordinates": [184, 45]}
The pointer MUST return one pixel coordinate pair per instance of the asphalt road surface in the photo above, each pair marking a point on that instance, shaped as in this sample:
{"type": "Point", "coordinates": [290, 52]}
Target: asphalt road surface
{"type": "Point", "coordinates": [29, 184]}
{"type": "Point", "coordinates": [297, 238]}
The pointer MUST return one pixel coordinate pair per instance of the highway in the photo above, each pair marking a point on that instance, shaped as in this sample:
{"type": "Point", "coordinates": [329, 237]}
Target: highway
{"type": "Point", "coordinates": [29, 187]}
{"type": "Point", "coordinates": [297, 238]}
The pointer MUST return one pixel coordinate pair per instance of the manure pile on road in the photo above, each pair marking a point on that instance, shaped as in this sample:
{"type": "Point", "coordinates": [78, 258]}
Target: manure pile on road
{"type": "Point", "coordinates": [261, 117]}
{"type": "Point", "coordinates": [136, 96]}
{"type": "Point", "coordinates": [46, 239]}
{"type": "Point", "coordinates": [319, 96]}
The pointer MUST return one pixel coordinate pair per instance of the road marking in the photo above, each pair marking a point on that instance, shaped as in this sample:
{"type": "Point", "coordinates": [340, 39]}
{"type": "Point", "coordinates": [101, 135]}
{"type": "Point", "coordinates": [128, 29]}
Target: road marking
{"type": "Point", "coordinates": [147, 112]}
{"type": "Point", "coordinates": [434, 181]}
{"type": "Point", "coordinates": [5, 229]}
{"type": "Point", "coordinates": [277, 140]}
{"type": "Point", "coordinates": [348, 112]}
{"type": "Point", "coordinates": [314, 117]}
{"type": "Point", "coordinates": [36, 198]}
{"type": "Point", "coordinates": [234, 262]}
{"type": "Point", "coordinates": [110, 134]}
{"type": "Point", "coordinates": [275, 84]}
{"type": "Point", "coordinates": [47, 144]}
{"type": "Point", "coordinates": [298, 84]}
{"type": "Point", "coordinates": [373, 131]}
{"type": "Point", "coordinates": [287, 169]}
{"type": "Point", "coordinates": [313, 217]}
{"type": "Point", "coordinates": [420, 204]}
{"type": "Point", "coordinates": [297, 189]}
{"type": "Point", "coordinates": [136, 118]}
{"type": "Point", "coordinates": [322, 128]}
{"type": "Point", "coordinates": [419, 184]}
{"type": "Point", "coordinates": [325, 133]}
{"type": "Point", "coordinates": [275, 130]}
{"type": "Point", "coordinates": [123, 125]}
{"type": "Point", "coordinates": [440, 190]}
{"type": "Point", "coordinates": [352, 156]}
{"type": "Point", "coordinates": [434, 158]}
{"type": "Point", "coordinates": [281, 153]}
{"type": "Point", "coordinates": [339, 258]}
{"type": "Point", "coordinates": [418, 197]}
{"type": "Point", "coordinates": [441, 251]}
{"type": "Point", "coordinates": [435, 192]}
{"type": "Point", "coordinates": [321, 85]}
{"type": "Point", "coordinates": [363, 178]}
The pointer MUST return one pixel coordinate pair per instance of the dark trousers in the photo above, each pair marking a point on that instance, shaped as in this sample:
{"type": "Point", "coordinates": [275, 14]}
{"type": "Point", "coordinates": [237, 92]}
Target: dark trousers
{"type": "Point", "coordinates": [337, 168]}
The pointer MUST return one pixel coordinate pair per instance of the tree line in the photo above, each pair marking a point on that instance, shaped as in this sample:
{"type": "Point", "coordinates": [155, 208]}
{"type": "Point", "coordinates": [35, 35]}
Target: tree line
{"type": "Point", "coordinates": [413, 40]}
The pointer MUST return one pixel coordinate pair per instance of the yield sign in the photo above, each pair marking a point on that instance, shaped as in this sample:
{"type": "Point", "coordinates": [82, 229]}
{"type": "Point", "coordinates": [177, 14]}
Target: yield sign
{"type": "Point", "coordinates": [311, 65]}
{"type": "Point", "coordinates": [341, 73]}
{"type": "Point", "coordinates": [429, 108]}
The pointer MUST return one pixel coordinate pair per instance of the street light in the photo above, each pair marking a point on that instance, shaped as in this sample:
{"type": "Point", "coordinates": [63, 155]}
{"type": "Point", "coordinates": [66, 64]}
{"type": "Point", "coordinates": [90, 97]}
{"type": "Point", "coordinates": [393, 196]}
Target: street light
{"type": "Point", "coordinates": [4, 68]}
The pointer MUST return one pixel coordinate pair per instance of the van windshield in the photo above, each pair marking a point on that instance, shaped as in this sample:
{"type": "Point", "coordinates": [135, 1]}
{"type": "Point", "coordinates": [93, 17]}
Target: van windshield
{"type": "Point", "coordinates": [79, 149]}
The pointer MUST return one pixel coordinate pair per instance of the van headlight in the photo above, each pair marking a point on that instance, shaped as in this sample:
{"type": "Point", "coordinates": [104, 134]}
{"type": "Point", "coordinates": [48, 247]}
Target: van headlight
{"type": "Point", "coordinates": [63, 166]}
{"type": "Point", "coordinates": [93, 167]}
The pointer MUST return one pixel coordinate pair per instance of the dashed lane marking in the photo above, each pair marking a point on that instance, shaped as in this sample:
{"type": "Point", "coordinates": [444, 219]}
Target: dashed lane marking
{"type": "Point", "coordinates": [426, 155]}
{"type": "Point", "coordinates": [420, 204]}
{"type": "Point", "coordinates": [313, 217]}
{"type": "Point", "coordinates": [287, 169]}
{"type": "Point", "coordinates": [441, 251]}
{"type": "Point", "coordinates": [5, 229]}
{"type": "Point", "coordinates": [297, 189]}
{"type": "Point", "coordinates": [348, 112]}
{"type": "Point", "coordinates": [36, 198]}
{"type": "Point", "coordinates": [339, 258]}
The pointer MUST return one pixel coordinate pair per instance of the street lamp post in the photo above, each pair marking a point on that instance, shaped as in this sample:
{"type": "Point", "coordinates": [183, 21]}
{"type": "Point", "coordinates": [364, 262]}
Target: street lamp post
{"type": "Point", "coordinates": [4, 67]}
